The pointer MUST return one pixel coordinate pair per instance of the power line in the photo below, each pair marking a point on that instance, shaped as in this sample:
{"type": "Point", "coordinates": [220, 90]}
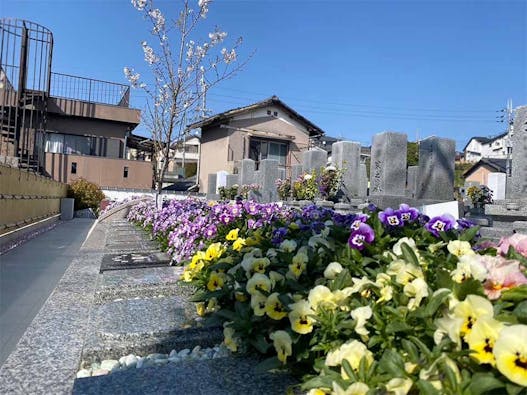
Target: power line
{"type": "Point", "coordinates": [358, 104]}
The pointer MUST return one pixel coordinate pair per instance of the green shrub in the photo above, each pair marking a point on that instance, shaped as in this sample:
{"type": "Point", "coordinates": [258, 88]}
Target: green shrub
{"type": "Point", "coordinates": [86, 194]}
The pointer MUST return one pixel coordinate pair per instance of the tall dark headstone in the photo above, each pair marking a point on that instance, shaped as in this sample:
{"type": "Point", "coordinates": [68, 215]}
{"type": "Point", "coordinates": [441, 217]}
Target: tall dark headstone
{"type": "Point", "coordinates": [435, 181]}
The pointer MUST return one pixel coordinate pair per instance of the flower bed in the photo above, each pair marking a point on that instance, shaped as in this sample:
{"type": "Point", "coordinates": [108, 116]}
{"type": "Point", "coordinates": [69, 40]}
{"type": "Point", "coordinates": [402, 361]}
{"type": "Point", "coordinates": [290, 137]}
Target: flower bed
{"type": "Point", "coordinates": [380, 302]}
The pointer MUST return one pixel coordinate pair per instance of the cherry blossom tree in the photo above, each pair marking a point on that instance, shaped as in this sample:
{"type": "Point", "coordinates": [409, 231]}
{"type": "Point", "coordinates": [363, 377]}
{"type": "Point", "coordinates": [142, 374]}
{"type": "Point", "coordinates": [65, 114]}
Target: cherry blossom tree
{"type": "Point", "coordinates": [181, 69]}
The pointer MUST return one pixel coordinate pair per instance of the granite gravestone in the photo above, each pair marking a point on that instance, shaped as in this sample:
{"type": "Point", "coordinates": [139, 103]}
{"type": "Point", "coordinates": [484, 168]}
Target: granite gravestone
{"type": "Point", "coordinates": [435, 181]}
{"type": "Point", "coordinates": [346, 156]}
{"type": "Point", "coordinates": [388, 164]}
{"type": "Point", "coordinates": [411, 180]}
{"type": "Point", "coordinates": [363, 180]}
{"type": "Point", "coordinates": [211, 185]}
{"type": "Point", "coordinates": [296, 171]}
{"type": "Point", "coordinates": [232, 180]}
{"type": "Point", "coordinates": [314, 159]}
{"type": "Point", "coordinates": [268, 176]}
{"type": "Point", "coordinates": [517, 188]}
{"type": "Point", "coordinates": [247, 172]}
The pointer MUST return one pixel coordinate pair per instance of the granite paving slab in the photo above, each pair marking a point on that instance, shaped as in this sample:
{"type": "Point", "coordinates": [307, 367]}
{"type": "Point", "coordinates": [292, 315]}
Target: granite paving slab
{"type": "Point", "coordinates": [145, 325]}
{"type": "Point", "coordinates": [134, 260]}
{"type": "Point", "coordinates": [146, 282]}
{"type": "Point", "coordinates": [221, 376]}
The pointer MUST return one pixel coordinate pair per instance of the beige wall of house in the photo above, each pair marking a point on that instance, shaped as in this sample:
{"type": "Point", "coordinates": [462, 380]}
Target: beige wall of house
{"type": "Point", "coordinates": [214, 154]}
{"type": "Point", "coordinates": [224, 148]}
{"type": "Point", "coordinates": [105, 172]}
{"type": "Point", "coordinates": [27, 197]}
{"type": "Point", "coordinates": [480, 175]}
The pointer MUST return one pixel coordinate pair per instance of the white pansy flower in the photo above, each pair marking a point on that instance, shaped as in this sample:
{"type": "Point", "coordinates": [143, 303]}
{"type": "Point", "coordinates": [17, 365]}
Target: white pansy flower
{"type": "Point", "coordinates": [332, 270]}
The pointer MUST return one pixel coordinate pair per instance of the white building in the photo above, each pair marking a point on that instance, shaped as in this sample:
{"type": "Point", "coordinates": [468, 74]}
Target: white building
{"type": "Point", "coordinates": [486, 147]}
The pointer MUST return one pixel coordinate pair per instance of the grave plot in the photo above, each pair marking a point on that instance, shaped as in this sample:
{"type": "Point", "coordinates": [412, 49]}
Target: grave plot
{"type": "Point", "coordinates": [134, 260]}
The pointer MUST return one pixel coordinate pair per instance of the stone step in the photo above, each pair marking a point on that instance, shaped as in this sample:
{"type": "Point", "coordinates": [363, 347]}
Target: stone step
{"type": "Point", "coordinates": [221, 376]}
{"type": "Point", "coordinates": [144, 326]}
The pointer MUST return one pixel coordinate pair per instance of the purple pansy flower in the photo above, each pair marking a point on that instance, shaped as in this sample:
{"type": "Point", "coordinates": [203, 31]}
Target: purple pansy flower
{"type": "Point", "coordinates": [390, 217]}
{"type": "Point", "coordinates": [210, 231]}
{"type": "Point", "coordinates": [358, 237]}
{"type": "Point", "coordinates": [464, 223]}
{"type": "Point", "coordinates": [443, 223]}
{"type": "Point", "coordinates": [359, 219]}
{"type": "Point", "coordinates": [407, 213]}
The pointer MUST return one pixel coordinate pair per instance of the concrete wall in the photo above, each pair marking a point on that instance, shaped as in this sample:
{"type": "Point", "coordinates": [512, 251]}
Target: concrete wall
{"type": "Point", "coordinates": [105, 172]}
{"type": "Point", "coordinates": [26, 197]}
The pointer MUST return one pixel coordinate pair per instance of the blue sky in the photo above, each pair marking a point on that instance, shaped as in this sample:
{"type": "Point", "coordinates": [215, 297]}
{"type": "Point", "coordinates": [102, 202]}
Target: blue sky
{"type": "Point", "coordinates": [354, 68]}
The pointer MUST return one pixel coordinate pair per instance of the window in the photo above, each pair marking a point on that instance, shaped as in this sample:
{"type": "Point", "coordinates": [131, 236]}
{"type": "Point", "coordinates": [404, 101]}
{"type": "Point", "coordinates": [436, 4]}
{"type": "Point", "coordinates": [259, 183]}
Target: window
{"type": "Point", "coordinates": [70, 144]}
{"type": "Point", "coordinates": [275, 113]}
{"type": "Point", "coordinates": [73, 167]}
{"type": "Point", "coordinates": [125, 172]}
{"type": "Point", "coordinates": [265, 149]}
{"type": "Point", "coordinates": [268, 112]}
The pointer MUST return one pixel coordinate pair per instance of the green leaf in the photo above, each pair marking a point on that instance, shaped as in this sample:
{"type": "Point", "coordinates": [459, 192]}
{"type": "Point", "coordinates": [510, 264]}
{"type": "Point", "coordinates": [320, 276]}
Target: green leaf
{"type": "Point", "coordinates": [483, 382]}
{"type": "Point", "coordinates": [318, 382]}
{"type": "Point", "coordinates": [467, 287]}
{"type": "Point", "coordinates": [409, 254]}
{"type": "Point", "coordinates": [521, 312]}
{"type": "Point", "coordinates": [513, 389]}
{"type": "Point", "coordinates": [397, 326]}
{"type": "Point", "coordinates": [228, 314]}
{"type": "Point", "coordinates": [391, 362]}
{"type": "Point", "coordinates": [260, 344]}
{"type": "Point", "coordinates": [348, 369]}
{"type": "Point", "coordinates": [268, 364]}
{"type": "Point", "coordinates": [435, 302]}
{"type": "Point", "coordinates": [515, 294]}
{"type": "Point", "coordinates": [469, 234]}
{"type": "Point", "coordinates": [411, 349]}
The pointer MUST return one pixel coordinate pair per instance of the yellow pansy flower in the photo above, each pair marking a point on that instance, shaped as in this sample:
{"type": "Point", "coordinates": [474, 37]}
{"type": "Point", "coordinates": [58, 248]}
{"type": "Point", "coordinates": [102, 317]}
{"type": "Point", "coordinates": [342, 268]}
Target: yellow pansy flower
{"type": "Point", "coordinates": [510, 351]}
{"type": "Point", "coordinates": [238, 244]}
{"type": "Point", "coordinates": [300, 319]}
{"type": "Point", "coordinates": [282, 344]}
{"type": "Point", "coordinates": [258, 304]}
{"type": "Point", "coordinates": [316, 391]}
{"type": "Point", "coordinates": [229, 340]}
{"type": "Point", "coordinates": [200, 308]}
{"type": "Point", "coordinates": [274, 308]}
{"type": "Point", "coordinates": [358, 388]}
{"type": "Point", "coordinates": [332, 270]}
{"type": "Point", "coordinates": [460, 248]}
{"type": "Point", "coordinates": [470, 310]}
{"type": "Point", "coordinates": [232, 235]}
{"type": "Point", "coordinates": [259, 264]}
{"type": "Point", "coordinates": [258, 282]}
{"type": "Point", "coordinates": [288, 245]}
{"type": "Point", "coordinates": [240, 296]}
{"type": "Point", "coordinates": [214, 251]}
{"type": "Point", "coordinates": [481, 339]}
{"type": "Point", "coordinates": [352, 351]}
{"type": "Point", "coordinates": [399, 386]}
{"type": "Point", "coordinates": [216, 281]}
{"type": "Point", "coordinates": [321, 295]}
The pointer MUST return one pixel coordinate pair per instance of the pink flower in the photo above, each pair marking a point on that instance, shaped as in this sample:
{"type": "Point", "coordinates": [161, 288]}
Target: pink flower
{"type": "Point", "coordinates": [502, 275]}
{"type": "Point", "coordinates": [517, 241]}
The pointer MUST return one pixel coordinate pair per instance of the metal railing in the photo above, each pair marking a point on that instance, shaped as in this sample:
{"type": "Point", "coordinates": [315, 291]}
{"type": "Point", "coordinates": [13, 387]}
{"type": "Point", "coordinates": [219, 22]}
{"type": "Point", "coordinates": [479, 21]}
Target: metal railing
{"type": "Point", "coordinates": [89, 90]}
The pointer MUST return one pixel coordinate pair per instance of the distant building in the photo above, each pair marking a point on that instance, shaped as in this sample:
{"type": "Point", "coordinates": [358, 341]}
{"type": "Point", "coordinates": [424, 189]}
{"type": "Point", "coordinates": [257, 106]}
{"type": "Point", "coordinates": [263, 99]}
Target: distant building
{"type": "Point", "coordinates": [479, 172]}
{"type": "Point", "coordinates": [486, 147]}
{"type": "Point", "coordinates": [63, 126]}
{"type": "Point", "coordinates": [269, 129]}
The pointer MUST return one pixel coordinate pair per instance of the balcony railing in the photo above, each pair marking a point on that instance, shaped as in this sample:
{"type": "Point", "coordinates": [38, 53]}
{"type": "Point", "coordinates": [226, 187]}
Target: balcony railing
{"type": "Point", "coordinates": [89, 90]}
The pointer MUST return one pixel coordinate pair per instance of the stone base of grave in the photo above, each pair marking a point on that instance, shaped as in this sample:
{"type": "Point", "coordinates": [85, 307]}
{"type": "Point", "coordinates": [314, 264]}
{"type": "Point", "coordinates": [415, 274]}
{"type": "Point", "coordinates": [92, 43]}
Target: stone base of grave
{"type": "Point", "coordinates": [508, 210]}
{"type": "Point", "coordinates": [392, 201]}
{"type": "Point", "coordinates": [232, 375]}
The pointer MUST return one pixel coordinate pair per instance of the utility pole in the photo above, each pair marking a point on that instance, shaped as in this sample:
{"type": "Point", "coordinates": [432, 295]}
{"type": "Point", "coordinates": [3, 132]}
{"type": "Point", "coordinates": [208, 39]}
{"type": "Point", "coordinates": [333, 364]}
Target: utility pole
{"type": "Point", "coordinates": [510, 132]}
